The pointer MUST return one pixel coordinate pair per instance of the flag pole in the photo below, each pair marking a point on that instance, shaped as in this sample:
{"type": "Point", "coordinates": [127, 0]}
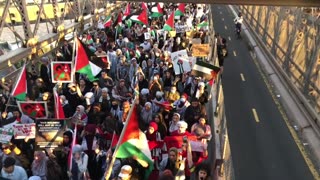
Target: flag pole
{"type": "Point", "coordinates": [108, 172]}
{"type": "Point", "coordinates": [73, 73]}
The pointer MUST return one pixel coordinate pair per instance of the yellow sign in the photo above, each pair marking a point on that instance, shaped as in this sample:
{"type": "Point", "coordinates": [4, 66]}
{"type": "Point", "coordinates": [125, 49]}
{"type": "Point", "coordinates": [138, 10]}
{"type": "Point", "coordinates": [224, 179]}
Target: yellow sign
{"type": "Point", "coordinates": [172, 33]}
{"type": "Point", "coordinates": [200, 50]}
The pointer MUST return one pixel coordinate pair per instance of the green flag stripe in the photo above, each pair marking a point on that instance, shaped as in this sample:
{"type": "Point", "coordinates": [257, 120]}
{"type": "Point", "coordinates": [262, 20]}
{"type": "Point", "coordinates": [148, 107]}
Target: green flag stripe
{"type": "Point", "coordinates": [127, 150]}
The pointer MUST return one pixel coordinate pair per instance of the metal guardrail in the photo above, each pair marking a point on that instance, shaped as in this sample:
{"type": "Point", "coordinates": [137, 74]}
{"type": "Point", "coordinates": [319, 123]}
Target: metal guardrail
{"type": "Point", "coordinates": [312, 116]}
{"type": "Point", "coordinates": [49, 42]}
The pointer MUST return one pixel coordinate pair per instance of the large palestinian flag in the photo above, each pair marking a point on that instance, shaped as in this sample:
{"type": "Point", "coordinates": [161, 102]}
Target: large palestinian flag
{"type": "Point", "coordinates": [181, 10]}
{"type": "Point", "coordinates": [156, 11]}
{"type": "Point", "coordinates": [142, 18]}
{"type": "Point", "coordinates": [169, 25]}
{"type": "Point", "coordinates": [107, 22]}
{"type": "Point", "coordinates": [135, 143]}
{"type": "Point", "coordinates": [20, 89]}
{"type": "Point", "coordinates": [82, 63]}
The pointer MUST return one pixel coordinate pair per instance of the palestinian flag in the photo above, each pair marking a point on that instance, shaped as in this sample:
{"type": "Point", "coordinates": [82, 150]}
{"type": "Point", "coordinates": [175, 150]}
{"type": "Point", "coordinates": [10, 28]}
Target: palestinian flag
{"type": "Point", "coordinates": [82, 63]}
{"type": "Point", "coordinates": [156, 11]}
{"type": "Point", "coordinates": [142, 18]}
{"type": "Point", "coordinates": [133, 142]}
{"type": "Point", "coordinates": [126, 12]}
{"type": "Point", "coordinates": [58, 113]}
{"type": "Point", "coordinates": [144, 6]}
{"type": "Point", "coordinates": [137, 53]}
{"type": "Point", "coordinates": [89, 39]}
{"type": "Point", "coordinates": [107, 22]}
{"type": "Point", "coordinates": [129, 23]}
{"type": "Point", "coordinates": [169, 25]}
{"type": "Point", "coordinates": [206, 70]}
{"type": "Point", "coordinates": [203, 24]}
{"type": "Point", "coordinates": [20, 90]}
{"type": "Point", "coordinates": [127, 54]}
{"type": "Point", "coordinates": [33, 109]}
{"type": "Point", "coordinates": [181, 10]}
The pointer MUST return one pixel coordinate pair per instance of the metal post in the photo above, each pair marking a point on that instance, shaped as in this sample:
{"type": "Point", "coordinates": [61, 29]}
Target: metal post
{"type": "Point", "coordinates": [56, 14]}
{"type": "Point", "coordinates": [4, 15]}
{"type": "Point", "coordinates": [25, 19]}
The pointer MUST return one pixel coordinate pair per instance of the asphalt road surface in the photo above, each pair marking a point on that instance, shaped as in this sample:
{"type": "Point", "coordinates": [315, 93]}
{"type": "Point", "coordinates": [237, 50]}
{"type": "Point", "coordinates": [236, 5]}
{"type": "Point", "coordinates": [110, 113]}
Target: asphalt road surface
{"type": "Point", "coordinates": [261, 144]}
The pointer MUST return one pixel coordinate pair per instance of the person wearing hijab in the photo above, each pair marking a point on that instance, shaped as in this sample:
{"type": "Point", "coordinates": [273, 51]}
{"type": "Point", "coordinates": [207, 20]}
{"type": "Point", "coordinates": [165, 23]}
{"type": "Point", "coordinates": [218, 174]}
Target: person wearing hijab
{"type": "Point", "coordinates": [81, 159]}
{"type": "Point", "coordinates": [89, 145]}
{"type": "Point", "coordinates": [80, 116]}
{"type": "Point", "coordinates": [162, 127]}
{"type": "Point", "coordinates": [154, 141]}
{"type": "Point", "coordinates": [39, 165]}
{"type": "Point", "coordinates": [146, 115]}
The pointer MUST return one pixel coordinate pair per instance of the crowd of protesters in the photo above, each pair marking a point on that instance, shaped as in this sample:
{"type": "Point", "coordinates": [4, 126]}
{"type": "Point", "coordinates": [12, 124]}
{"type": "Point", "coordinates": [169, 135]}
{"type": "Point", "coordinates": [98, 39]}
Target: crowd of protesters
{"type": "Point", "coordinates": [170, 104]}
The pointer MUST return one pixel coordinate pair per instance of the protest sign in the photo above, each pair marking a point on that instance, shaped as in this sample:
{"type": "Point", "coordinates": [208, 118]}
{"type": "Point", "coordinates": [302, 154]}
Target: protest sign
{"type": "Point", "coordinates": [22, 131]}
{"type": "Point", "coordinates": [34, 109]}
{"type": "Point", "coordinates": [180, 61]}
{"type": "Point", "coordinates": [61, 72]}
{"type": "Point", "coordinates": [147, 36]}
{"type": "Point", "coordinates": [49, 133]}
{"type": "Point", "coordinates": [5, 135]}
{"type": "Point", "coordinates": [200, 50]}
{"type": "Point", "coordinates": [172, 33]}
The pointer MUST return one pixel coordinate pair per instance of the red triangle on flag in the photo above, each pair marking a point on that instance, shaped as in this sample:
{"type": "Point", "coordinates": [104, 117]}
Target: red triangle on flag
{"type": "Point", "coordinates": [127, 11]}
{"type": "Point", "coordinates": [143, 17]}
{"type": "Point", "coordinates": [170, 20]}
{"type": "Point", "coordinates": [20, 89]}
{"type": "Point", "coordinates": [144, 6]}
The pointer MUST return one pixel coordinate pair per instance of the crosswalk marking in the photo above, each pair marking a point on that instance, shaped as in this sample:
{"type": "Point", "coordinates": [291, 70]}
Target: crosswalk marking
{"type": "Point", "coordinates": [234, 53]}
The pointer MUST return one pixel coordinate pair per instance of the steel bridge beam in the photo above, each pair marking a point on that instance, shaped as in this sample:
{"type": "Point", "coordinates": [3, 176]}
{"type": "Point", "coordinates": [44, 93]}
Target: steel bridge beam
{"type": "Point", "coordinates": [302, 3]}
{"type": "Point", "coordinates": [17, 55]}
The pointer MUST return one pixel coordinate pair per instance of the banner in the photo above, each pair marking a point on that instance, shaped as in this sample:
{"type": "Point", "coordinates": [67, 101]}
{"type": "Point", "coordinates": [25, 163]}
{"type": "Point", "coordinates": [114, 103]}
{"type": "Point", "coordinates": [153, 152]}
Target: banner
{"type": "Point", "coordinates": [5, 136]}
{"type": "Point", "coordinates": [200, 50]}
{"type": "Point", "coordinates": [180, 61]}
{"type": "Point", "coordinates": [22, 131]}
{"type": "Point", "coordinates": [33, 109]}
{"type": "Point", "coordinates": [177, 141]}
{"type": "Point", "coordinates": [61, 72]}
{"type": "Point", "coordinates": [49, 133]}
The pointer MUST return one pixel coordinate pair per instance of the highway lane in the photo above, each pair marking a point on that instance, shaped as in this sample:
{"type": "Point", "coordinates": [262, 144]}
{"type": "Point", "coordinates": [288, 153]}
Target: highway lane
{"type": "Point", "coordinates": [261, 144]}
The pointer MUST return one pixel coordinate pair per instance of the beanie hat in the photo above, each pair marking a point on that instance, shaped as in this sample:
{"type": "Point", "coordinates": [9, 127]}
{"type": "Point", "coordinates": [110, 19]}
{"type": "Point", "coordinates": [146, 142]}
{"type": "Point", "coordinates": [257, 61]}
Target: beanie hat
{"type": "Point", "coordinates": [154, 125]}
{"type": "Point", "coordinates": [9, 161]}
{"type": "Point", "coordinates": [105, 90]}
{"type": "Point", "coordinates": [77, 148]}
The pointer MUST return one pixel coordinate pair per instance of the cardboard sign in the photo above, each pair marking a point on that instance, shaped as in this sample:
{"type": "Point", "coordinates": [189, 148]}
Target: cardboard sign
{"type": "Point", "coordinates": [35, 109]}
{"type": "Point", "coordinates": [196, 41]}
{"type": "Point", "coordinates": [172, 33]}
{"type": "Point", "coordinates": [61, 72]}
{"type": "Point", "coordinates": [5, 135]}
{"type": "Point", "coordinates": [200, 50]}
{"type": "Point", "coordinates": [190, 34]}
{"type": "Point", "coordinates": [22, 131]}
{"type": "Point", "coordinates": [180, 61]}
{"type": "Point", "coordinates": [147, 36]}
{"type": "Point", "coordinates": [49, 133]}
